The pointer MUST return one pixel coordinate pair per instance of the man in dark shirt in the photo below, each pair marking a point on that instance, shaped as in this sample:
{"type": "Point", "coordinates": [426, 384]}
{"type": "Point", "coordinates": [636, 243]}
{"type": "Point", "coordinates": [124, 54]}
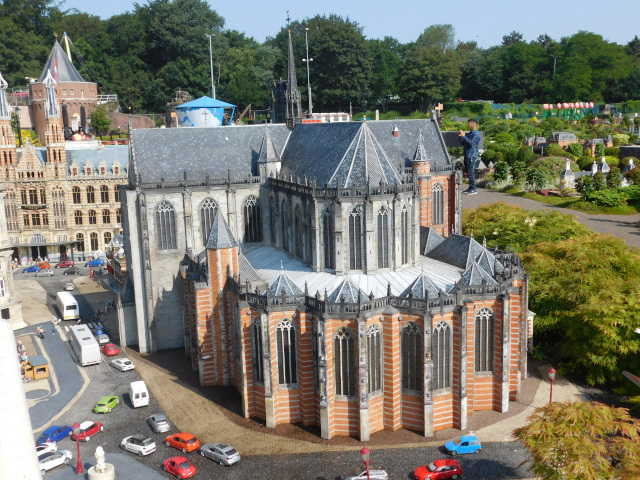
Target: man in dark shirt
{"type": "Point", "coordinates": [470, 143]}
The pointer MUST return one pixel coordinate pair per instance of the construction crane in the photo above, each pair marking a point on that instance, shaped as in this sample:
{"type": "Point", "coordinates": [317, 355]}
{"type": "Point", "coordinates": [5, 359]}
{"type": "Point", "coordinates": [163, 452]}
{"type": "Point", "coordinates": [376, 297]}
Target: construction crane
{"type": "Point", "coordinates": [239, 120]}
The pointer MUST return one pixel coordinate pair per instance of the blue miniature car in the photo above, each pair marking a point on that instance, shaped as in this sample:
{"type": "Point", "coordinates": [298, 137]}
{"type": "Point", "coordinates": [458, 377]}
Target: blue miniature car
{"type": "Point", "coordinates": [31, 269]}
{"type": "Point", "coordinates": [96, 262]}
{"type": "Point", "coordinates": [55, 434]}
{"type": "Point", "coordinates": [462, 445]}
{"type": "Point", "coordinates": [100, 330]}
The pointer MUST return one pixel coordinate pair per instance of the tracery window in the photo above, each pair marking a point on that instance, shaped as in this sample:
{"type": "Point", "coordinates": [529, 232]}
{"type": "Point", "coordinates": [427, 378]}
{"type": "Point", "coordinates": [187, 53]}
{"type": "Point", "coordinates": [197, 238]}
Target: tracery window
{"type": "Point", "coordinates": [383, 238]}
{"type": "Point", "coordinates": [441, 349]}
{"type": "Point", "coordinates": [299, 233]}
{"type": "Point", "coordinates": [438, 204]}
{"type": "Point", "coordinates": [256, 346]}
{"type": "Point", "coordinates": [166, 226]}
{"type": "Point", "coordinates": [405, 233]}
{"type": "Point", "coordinates": [374, 358]}
{"type": "Point", "coordinates": [252, 226]}
{"type": "Point", "coordinates": [327, 238]}
{"type": "Point", "coordinates": [355, 240]}
{"type": "Point", "coordinates": [484, 340]}
{"type": "Point", "coordinates": [104, 194]}
{"type": "Point", "coordinates": [207, 215]}
{"type": "Point", "coordinates": [345, 362]}
{"type": "Point", "coordinates": [286, 345]}
{"type": "Point", "coordinates": [411, 351]}
{"type": "Point", "coordinates": [91, 195]}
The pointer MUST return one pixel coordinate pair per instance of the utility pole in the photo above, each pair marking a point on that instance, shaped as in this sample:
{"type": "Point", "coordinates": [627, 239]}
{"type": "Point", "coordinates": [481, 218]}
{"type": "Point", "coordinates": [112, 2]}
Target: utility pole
{"type": "Point", "coordinates": [213, 87]}
{"type": "Point", "coordinates": [555, 57]}
{"type": "Point", "coordinates": [307, 60]}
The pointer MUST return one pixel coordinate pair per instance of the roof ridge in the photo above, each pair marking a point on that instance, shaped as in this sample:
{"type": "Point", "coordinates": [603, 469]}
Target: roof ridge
{"type": "Point", "coordinates": [220, 235]}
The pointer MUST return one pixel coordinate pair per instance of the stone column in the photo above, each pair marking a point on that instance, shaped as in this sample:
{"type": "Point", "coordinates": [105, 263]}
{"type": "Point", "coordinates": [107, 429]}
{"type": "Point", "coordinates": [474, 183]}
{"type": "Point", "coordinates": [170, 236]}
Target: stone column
{"type": "Point", "coordinates": [506, 350]}
{"type": "Point", "coordinates": [462, 359]}
{"type": "Point", "coordinates": [427, 387]}
{"type": "Point", "coordinates": [363, 378]}
{"type": "Point", "coordinates": [269, 406]}
{"type": "Point", "coordinates": [232, 218]}
{"type": "Point", "coordinates": [188, 219]}
{"type": "Point", "coordinates": [325, 429]}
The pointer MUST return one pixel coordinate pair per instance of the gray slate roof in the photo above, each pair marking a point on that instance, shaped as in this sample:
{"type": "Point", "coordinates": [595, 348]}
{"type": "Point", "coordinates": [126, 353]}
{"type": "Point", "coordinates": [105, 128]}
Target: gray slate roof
{"type": "Point", "coordinates": [475, 274]}
{"type": "Point", "coordinates": [64, 69]}
{"type": "Point", "coordinates": [422, 286]}
{"type": "Point", "coordinates": [283, 285]}
{"type": "Point", "coordinates": [108, 153]}
{"type": "Point", "coordinates": [429, 239]}
{"type": "Point", "coordinates": [220, 236]}
{"type": "Point", "coordinates": [268, 151]}
{"type": "Point", "coordinates": [457, 250]}
{"type": "Point", "coordinates": [247, 272]}
{"type": "Point", "coordinates": [347, 290]}
{"type": "Point", "coordinates": [169, 152]}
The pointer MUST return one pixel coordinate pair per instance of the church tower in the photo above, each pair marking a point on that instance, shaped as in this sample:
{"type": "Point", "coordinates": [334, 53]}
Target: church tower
{"type": "Point", "coordinates": [53, 137]}
{"type": "Point", "coordinates": [294, 110]}
{"type": "Point", "coordinates": [8, 152]}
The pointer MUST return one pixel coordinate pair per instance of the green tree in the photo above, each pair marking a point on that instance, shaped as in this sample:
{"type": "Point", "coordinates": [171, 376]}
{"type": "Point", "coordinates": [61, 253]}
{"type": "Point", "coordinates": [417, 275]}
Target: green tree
{"type": "Point", "coordinates": [501, 172]}
{"type": "Point", "coordinates": [575, 149]}
{"type": "Point", "coordinates": [584, 185]}
{"type": "Point", "coordinates": [599, 181]}
{"type": "Point", "coordinates": [442, 37]}
{"type": "Point", "coordinates": [614, 179]}
{"type": "Point", "coordinates": [536, 178]}
{"type": "Point", "coordinates": [518, 172]}
{"type": "Point", "coordinates": [600, 148]}
{"type": "Point", "coordinates": [100, 120]}
{"type": "Point", "coordinates": [582, 441]}
{"type": "Point", "coordinates": [386, 60]}
{"type": "Point", "coordinates": [525, 155]}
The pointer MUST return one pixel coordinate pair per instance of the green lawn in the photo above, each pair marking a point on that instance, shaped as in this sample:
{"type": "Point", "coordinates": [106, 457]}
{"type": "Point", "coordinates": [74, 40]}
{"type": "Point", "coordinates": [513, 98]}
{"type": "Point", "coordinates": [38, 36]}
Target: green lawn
{"type": "Point", "coordinates": [577, 203]}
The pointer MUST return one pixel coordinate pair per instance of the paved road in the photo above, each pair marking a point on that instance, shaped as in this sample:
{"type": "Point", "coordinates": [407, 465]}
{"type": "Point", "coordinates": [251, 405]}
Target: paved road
{"type": "Point", "coordinates": [622, 226]}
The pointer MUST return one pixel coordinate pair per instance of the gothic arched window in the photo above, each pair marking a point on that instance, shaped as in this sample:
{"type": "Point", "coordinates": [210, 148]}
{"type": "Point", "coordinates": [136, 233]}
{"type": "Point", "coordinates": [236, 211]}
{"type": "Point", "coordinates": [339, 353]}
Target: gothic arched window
{"type": "Point", "coordinates": [411, 351]}
{"type": "Point", "coordinates": [405, 233]}
{"type": "Point", "coordinates": [166, 226]}
{"type": "Point", "coordinates": [299, 239]}
{"type": "Point", "coordinates": [252, 226]}
{"type": "Point", "coordinates": [106, 217]}
{"type": "Point", "coordinates": [484, 344]}
{"type": "Point", "coordinates": [438, 204]}
{"type": "Point", "coordinates": [272, 223]}
{"type": "Point", "coordinates": [286, 345]}
{"type": "Point", "coordinates": [441, 348]}
{"type": "Point", "coordinates": [327, 239]}
{"type": "Point", "coordinates": [284, 223]}
{"type": "Point", "coordinates": [383, 238]}
{"type": "Point", "coordinates": [104, 194]}
{"type": "Point", "coordinates": [91, 195]}
{"type": "Point", "coordinates": [77, 217]}
{"type": "Point", "coordinates": [345, 362]}
{"type": "Point", "coordinates": [355, 240]}
{"type": "Point", "coordinates": [80, 241]}
{"type": "Point", "coordinates": [75, 193]}
{"type": "Point", "coordinates": [92, 217]}
{"type": "Point", "coordinates": [207, 214]}
{"type": "Point", "coordinates": [256, 347]}
{"type": "Point", "coordinates": [374, 357]}
{"type": "Point", "coordinates": [93, 238]}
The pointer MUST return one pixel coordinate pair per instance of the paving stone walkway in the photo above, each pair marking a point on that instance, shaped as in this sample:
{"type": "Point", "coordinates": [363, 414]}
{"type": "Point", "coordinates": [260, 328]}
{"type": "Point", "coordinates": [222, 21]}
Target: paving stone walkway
{"type": "Point", "coordinates": [623, 226]}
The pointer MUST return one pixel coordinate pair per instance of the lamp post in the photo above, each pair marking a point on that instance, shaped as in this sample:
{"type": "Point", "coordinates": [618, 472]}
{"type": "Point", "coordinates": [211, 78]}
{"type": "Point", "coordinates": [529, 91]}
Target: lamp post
{"type": "Point", "coordinates": [213, 87]}
{"type": "Point", "coordinates": [552, 377]}
{"type": "Point", "coordinates": [18, 128]}
{"type": "Point", "coordinates": [307, 60]}
{"type": "Point", "coordinates": [555, 57]}
{"type": "Point", "coordinates": [365, 459]}
{"type": "Point", "coordinates": [76, 433]}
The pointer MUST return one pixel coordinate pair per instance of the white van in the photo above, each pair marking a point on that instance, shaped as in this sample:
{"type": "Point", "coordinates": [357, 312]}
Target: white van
{"type": "Point", "coordinates": [68, 306]}
{"type": "Point", "coordinates": [139, 394]}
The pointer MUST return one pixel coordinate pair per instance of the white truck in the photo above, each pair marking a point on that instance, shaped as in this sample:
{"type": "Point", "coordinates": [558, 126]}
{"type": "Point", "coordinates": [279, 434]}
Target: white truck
{"type": "Point", "coordinates": [85, 345]}
{"type": "Point", "coordinates": [68, 306]}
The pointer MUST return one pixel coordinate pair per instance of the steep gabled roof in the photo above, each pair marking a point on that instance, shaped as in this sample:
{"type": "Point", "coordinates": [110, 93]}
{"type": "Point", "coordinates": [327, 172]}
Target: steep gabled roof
{"type": "Point", "coordinates": [457, 250]}
{"type": "Point", "coordinates": [429, 239]}
{"type": "Point", "coordinates": [283, 285]}
{"type": "Point", "coordinates": [421, 153]}
{"type": "Point", "coordinates": [268, 151]}
{"type": "Point", "coordinates": [220, 236]}
{"type": "Point", "coordinates": [61, 68]}
{"type": "Point", "coordinates": [347, 290]}
{"type": "Point", "coordinates": [422, 286]}
{"type": "Point", "coordinates": [475, 274]}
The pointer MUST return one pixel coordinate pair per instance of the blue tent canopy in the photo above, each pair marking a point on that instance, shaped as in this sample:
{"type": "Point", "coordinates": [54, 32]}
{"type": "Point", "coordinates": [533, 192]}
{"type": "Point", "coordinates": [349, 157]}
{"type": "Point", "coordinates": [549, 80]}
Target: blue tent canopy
{"type": "Point", "coordinates": [206, 102]}
{"type": "Point", "coordinates": [203, 112]}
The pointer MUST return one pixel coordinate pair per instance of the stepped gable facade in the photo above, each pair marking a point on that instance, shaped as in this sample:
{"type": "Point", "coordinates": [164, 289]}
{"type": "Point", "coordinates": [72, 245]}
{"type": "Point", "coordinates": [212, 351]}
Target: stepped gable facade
{"type": "Point", "coordinates": [322, 273]}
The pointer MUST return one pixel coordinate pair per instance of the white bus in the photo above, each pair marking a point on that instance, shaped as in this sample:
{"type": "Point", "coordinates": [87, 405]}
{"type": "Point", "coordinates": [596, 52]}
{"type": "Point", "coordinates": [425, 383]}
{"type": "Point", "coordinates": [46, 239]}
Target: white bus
{"type": "Point", "coordinates": [68, 306]}
{"type": "Point", "coordinates": [85, 345]}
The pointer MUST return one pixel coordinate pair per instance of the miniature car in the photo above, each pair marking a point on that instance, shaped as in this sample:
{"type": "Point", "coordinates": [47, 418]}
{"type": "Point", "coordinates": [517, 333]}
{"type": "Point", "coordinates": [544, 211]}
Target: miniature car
{"type": "Point", "coordinates": [159, 423]}
{"type": "Point", "coordinates": [44, 265]}
{"type": "Point", "coordinates": [122, 364]}
{"type": "Point", "coordinates": [53, 459]}
{"type": "Point", "coordinates": [31, 269]}
{"type": "Point", "coordinates": [106, 404]}
{"type": "Point", "coordinates": [43, 448]}
{"type": "Point", "coordinates": [88, 430]}
{"type": "Point", "coordinates": [138, 444]}
{"type": "Point", "coordinates": [44, 273]}
{"type": "Point", "coordinates": [71, 271]}
{"type": "Point", "coordinates": [110, 350]}
{"type": "Point", "coordinates": [220, 452]}
{"type": "Point", "coordinates": [54, 434]}
{"type": "Point", "coordinates": [96, 262]}
{"type": "Point", "coordinates": [182, 441]}
{"type": "Point", "coordinates": [65, 264]}
{"type": "Point", "coordinates": [179, 466]}
{"type": "Point", "coordinates": [439, 470]}
{"type": "Point", "coordinates": [464, 444]}
{"type": "Point", "coordinates": [69, 286]}
{"type": "Point", "coordinates": [360, 473]}
{"type": "Point", "coordinates": [102, 338]}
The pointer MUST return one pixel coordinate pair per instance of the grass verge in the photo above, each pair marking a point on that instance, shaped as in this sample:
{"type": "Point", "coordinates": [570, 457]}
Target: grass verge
{"type": "Point", "coordinates": [578, 204]}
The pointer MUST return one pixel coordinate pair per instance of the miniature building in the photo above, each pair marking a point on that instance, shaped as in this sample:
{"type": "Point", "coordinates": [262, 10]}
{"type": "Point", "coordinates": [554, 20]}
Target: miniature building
{"type": "Point", "coordinates": [562, 138]}
{"type": "Point", "coordinates": [603, 166]}
{"type": "Point", "coordinates": [590, 145]}
{"type": "Point", "coordinates": [568, 177]}
{"type": "Point", "coordinates": [62, 199]}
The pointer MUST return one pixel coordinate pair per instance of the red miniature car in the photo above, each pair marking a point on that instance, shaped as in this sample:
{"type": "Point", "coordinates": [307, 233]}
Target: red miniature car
{"type": "Point", "coordinates": [110, 350]}
{"type": "Point", "coordinates": [182, 441]}
{"type": "Point", "coordinates": [439, 470]}
{"type": "Point", "coordinates": [65, 264]}
{"type": "Point", "coordinates": [179, 466]}
{"type": "Point", "coordinates": [87, 430]}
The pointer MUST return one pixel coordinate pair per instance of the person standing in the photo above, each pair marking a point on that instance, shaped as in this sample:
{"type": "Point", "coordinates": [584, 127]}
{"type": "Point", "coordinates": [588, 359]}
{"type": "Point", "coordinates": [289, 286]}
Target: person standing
{"type": "Point", "coordinates": [470, 143]}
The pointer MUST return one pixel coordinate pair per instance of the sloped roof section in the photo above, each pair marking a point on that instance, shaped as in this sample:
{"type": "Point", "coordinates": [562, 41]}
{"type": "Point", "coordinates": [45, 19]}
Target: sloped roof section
{"type": "Point", "coordinates": [220, 236]}
{"type": "Point", "coordinates": [422, 286]}
{"type": "Point", "coordinates": [421, 152]}
{"type": "Point", "coordinates": [429, 239]}
{"type": "Point", "coordinates": [347, 290]}
{"type": "Point", "coordinates": [61, 68]}
{"type": "Point", "coordinates": [457, 250]}
{"type": "Point", "coordinates": [246, 270]}
{"type": "Point", "coordinates": [283, 286]}
{"type": "Point", "coordinates": [475, 274]}
{"type": "Point", "coordinates": [268, 151]}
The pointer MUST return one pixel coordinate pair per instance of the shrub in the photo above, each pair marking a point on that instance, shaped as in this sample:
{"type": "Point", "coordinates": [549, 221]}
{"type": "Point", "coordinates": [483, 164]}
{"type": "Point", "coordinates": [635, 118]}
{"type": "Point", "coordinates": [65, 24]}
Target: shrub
{"type": "Point", "coordinates": [552, 168]}
{"type": "Point", "coordinates": [585, 162]}
{"type": "Point", "coordinates": [488, 156]}
{"type": "Point", "coordinates": [632, 191]}
{"type": "Point", "coordinates": [612, 152]}
{"type": "Point", "coordinates": [498, 158]}
{"type": "Point", "coordinates": [575, 149]}
{"type": "Point", "coordinates": [614, 179]}
{"type": "Point", "coordinates": [512, 156]}
{"type": "Point", "coordinates": [633, 176]}
{"type": "Point", "coordinates": [525, 155]}
{"type": "Point", "coordinates": [536, 177]}
{"type": "Point", "coordinates": [626, 160]}
{"type": "Point", "coordinates": [501, 171]}
{"type": "Point", "coordinates": [555, 150]}
{"type": "Point", "coordinates": [599, 182]}
{"type": "Point", "coordinates": [455, 151]}
{"type": "Point", "coordinates": [608, 198]}
{"type": "Point", "coordinates": [518, 172]}
{"type": "Point", "coordinates": [535, 156]}
{"type": "Point", "coordinates": [600, 150]}
{"type": "Point", "coordinates": [611, 161]}
{"type": "Point", "coordinates": [505, 138]}
{"type": "Point", "coordinates": [564, 190]}
{"type": "Point", "coordinates": [584, 185]}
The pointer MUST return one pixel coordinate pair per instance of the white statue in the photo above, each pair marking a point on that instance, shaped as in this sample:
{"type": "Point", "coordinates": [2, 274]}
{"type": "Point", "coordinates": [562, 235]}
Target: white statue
{"type": "Point", "coordinates": [100, 465]}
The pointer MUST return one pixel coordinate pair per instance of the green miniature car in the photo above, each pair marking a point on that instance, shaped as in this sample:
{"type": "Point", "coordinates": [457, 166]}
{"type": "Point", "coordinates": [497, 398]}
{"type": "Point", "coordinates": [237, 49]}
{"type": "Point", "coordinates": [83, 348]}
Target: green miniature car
{"type": "Point", "coordinates": [106, 404]}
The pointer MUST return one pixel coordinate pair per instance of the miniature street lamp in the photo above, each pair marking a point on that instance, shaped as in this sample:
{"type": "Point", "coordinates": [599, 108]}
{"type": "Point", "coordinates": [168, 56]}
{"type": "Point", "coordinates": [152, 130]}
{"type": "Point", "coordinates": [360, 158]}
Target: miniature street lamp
{"type": "Point", "coordinates": [552, 377]}
{"type": "Point", "coordinates": [76, 432]}
{"type": "Point", "coordinates": [365, 459]}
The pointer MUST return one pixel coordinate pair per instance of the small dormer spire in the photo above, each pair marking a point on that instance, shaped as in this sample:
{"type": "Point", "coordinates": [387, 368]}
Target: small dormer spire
{"type": "Point", "coordinates": [294, 108]}
{"type": "Point", "coordinates": [52, 109]}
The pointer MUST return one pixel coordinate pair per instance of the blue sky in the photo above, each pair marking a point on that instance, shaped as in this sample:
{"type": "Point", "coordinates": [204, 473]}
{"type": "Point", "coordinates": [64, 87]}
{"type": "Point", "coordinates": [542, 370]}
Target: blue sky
{"type": "Point", "coordinates": [484, 21]}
